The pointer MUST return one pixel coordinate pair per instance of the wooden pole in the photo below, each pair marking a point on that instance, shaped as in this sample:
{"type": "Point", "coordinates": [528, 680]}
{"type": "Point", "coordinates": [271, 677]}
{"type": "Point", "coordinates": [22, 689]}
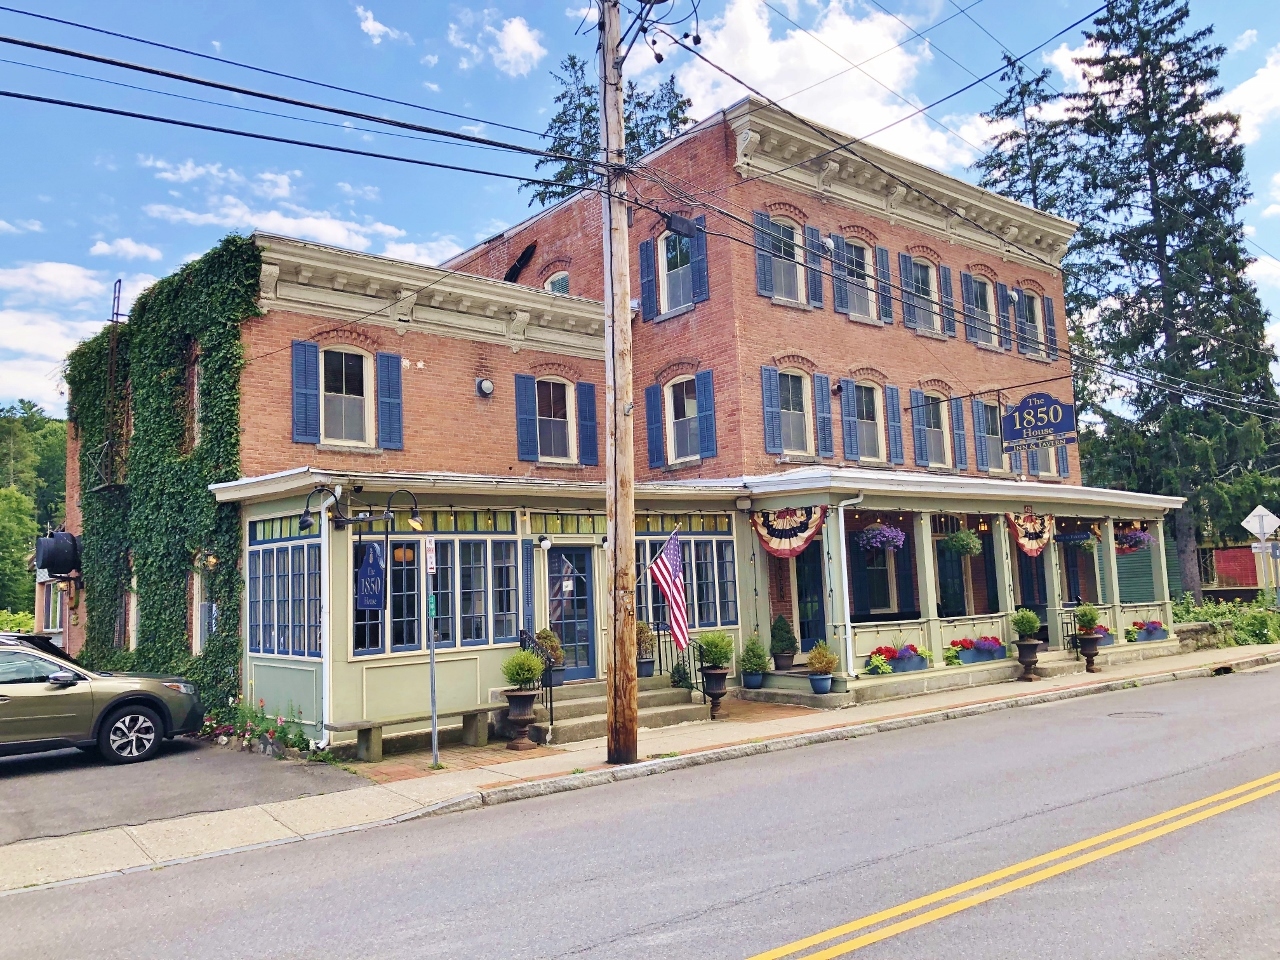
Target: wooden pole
{"type": "Point", "coordinates": [620, 553]}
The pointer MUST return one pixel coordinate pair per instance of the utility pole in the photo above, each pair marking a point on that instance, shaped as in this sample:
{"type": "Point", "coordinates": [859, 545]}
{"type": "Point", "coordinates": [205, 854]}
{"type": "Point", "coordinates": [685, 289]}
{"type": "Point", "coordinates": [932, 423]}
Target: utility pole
{"type": "Point", "coordinates": [620, 553]}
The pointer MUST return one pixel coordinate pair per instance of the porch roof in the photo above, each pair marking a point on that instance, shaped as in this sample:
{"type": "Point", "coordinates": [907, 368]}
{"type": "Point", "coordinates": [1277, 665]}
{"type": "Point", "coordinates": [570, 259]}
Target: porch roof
{"type": "Point", "coordinates": [827, 483]}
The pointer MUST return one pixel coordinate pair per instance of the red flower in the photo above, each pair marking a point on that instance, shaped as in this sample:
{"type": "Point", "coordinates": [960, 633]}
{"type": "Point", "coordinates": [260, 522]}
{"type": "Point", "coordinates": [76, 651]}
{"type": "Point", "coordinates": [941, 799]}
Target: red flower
{"type": "Point", "coordinates": [889, 653]}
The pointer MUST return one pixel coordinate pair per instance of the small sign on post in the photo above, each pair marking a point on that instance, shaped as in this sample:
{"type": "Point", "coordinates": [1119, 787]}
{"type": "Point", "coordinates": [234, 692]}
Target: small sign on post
{"type": "Point", "coordinates": [429, 548]}
{"type": "Point", "coordinates": [1262, 523]}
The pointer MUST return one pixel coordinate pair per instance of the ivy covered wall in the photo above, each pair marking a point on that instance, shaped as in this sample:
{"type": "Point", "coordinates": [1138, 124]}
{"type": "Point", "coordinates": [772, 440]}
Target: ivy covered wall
{"type": "Point", "coordinates": [159, 523]}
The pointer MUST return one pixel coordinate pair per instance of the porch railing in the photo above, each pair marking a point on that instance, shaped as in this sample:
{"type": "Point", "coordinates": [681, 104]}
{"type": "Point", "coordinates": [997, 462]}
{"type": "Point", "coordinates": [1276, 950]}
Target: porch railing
{"type": "Point", "coordinates": [684, 667]}
{"type": "Point", "coordinates": [895, 633]}
{"type": "Point", "coordinates": [529, 642]}
{"type": "Point", "coordinates": [982, 625]}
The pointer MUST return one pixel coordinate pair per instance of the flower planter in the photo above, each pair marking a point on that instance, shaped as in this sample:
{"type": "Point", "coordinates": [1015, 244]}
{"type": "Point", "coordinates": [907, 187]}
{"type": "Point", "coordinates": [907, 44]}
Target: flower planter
{"type": "Point", "coordinates": [1028, 656]}
{"type": "Point", "coordinates": [784, 661]}
{"type": "Point", "coordinates": [1089, 649]}
{"type": "Point", "coordinates": [1145, 635]}
{"type": "Point", "coordinates": [644, 667]}
{"type": "Point", "coordinates": [820, 682]}
{"type": "Point", "coordinates": [715, 686]}
{"type": "Point", "coordinates": [981, 656]}
{"type": "Point", "coordinates": [1106, 639]}
{"type": "Point", "coordinates": [553, 677]}
{"type": "Point", "coordinates": [906, 664]}
{"type": "Point", "coordinates": [520, 715]}
{"type": "Point", "coordinates": [753, 681]}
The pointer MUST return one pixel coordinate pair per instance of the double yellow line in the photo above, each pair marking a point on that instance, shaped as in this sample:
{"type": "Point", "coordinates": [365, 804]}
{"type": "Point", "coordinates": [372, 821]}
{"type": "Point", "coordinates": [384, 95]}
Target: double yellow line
{"type": "Point", "coordinates": [1099, 847]}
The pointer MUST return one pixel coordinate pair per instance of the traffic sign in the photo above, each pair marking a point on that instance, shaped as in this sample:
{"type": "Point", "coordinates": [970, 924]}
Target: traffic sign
{"type": "Point", "coordinates": [1261, 522]}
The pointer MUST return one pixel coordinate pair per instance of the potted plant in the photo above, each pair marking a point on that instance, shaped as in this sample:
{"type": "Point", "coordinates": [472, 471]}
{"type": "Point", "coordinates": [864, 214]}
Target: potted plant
{"type": "Point", "coordinates": [878, 664]}
{"type": "Point", "coordinates": [782, 644]}
{"type": "Point", "coordinates": [901, 659]}
{"type": "Point", "coordinates": [646, 644]}
{"type": "Point", "coordinates": [822, 663]}
{"type": "Point", "coordinates": [523, 670]}
{"type": "Point", "coordinates": [967, 650]}
{"type": "Point", "coordinates": [754, 663]}
{"type": "Point", "coordinates": [717, 653]}
{"type": "Point", "coordinates": [552, 656]}
{"type": "Point", "coordinates": [1087, 635]}
{"type": "Point", "coordinates": [963, 542]}
{"type": "Point", "coordinates": [1026, 625]}
{"type": "Point", "coordinates": [1149, 630]}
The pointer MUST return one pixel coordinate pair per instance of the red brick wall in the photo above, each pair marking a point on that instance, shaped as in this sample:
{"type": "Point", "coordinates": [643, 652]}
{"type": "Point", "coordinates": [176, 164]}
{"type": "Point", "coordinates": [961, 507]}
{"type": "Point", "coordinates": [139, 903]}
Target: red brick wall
{"type": "Point", "coordinates": [1235, 567]}
{"type": "Point", "coordinates": [736, 331]}
{"type": "Point", "coordinates": [446, 425]}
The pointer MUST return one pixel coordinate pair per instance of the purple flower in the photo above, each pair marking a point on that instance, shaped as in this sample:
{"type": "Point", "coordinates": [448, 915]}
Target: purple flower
{"type": "Point", "coordinates": [882, 538]}
{"type": "Point", "coordinates": [1134, 539]}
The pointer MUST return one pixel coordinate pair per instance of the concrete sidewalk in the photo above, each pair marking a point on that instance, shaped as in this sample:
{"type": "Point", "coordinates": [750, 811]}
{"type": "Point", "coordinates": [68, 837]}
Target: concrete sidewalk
{"type": "Point", "coordinates": [35, 863]}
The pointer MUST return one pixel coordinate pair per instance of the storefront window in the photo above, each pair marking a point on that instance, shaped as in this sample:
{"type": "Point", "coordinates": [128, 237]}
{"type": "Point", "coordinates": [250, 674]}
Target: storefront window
{"type": "Point", "coordinates": [406, 617]}
{"type": "Point", "coordinates": [710, 576]}
{"type": "Point", "coordinates": [472, 591]}
{"type": "Point", "coordinates": [505, 592]}
{"type": "Point", "coordinates": [367, 624]}
{"type": "Point", "coordinates": [283, 586]}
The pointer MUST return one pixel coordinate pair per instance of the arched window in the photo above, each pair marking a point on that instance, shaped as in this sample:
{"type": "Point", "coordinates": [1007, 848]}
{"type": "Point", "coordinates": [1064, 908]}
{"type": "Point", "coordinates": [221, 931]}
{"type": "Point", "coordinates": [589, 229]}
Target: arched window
{"type": "Point", "coordinates": [558, 282]}
{"type": "Point", "coordinates": [924, 285]}
{"type": "Point", "coordinates": [861, 281]}
{"type": "Point", "coordinates": [348, 412]}
{"type": "Point", "coordinates": [934, 416]}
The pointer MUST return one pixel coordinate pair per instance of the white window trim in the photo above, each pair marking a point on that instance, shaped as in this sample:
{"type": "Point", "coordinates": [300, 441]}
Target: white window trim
{"type": "Point", "coordinates": [1035, 330]}
{"type": "Point", "coordinates": [931, 303]}
{"type": "Point", "coordinates": [891, 565]}
{"type": "Point", "coordinates": [987, 328]}
{"type": "Point", "coordinates": [810, 422]}
{"type": "Point", "coordinates": [944, 407]}
{"type": "Point", "coordinates": [664, 304]}
{"type": "Point", "coordinates": [370, 442]}
{"type": "Point", "coordinates": [1003, 466]}
{"type": "Point", "coordinates": [802, 276]}
{"type": "Point", "coordinates": [881, 433]}
{"type": "Point", "coordinates": [571, 411]}
{"type": "Point", "coordinates": [869, 267]}
{"type": "Point", "coordinates": [554, 277]}
{"type": "Point", "coordinates": [669, 413]}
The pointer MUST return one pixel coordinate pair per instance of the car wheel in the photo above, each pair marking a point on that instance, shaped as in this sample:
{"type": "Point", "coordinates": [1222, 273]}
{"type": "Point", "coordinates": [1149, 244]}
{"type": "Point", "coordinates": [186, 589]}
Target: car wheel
{"type": "Point", "coordinates": [130, 734]}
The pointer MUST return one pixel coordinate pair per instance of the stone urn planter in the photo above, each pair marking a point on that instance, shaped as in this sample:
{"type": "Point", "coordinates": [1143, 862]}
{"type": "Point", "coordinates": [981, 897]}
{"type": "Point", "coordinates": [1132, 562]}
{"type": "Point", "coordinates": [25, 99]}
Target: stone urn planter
{"type": "Point", "coordinates": [715, 684]}
{"type": "Point", "coordinates": [520, 715]}
{"type": "Point", "coordinates": [1089, 650]}
{"type": "Point", "coordinates": [1028, 656]}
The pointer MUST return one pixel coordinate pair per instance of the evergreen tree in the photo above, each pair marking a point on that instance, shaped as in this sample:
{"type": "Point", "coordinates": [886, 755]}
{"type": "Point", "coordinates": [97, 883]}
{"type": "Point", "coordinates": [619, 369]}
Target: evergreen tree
{"type": "Point", "coordinates": [649, 117]}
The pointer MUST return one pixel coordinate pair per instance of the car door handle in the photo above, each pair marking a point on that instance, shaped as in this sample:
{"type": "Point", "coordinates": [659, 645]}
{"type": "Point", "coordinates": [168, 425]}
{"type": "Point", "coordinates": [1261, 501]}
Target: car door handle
{"type": "Point", "coordinates": [4, 699]}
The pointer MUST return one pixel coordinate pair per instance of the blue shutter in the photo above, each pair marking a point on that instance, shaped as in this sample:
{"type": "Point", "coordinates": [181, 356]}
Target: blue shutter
{"type": "Point", "coordinates": [839, 271]}
{"type": "Point", "coordinates": [526, 417]}
{"type": "Point", "coordinates": [526, 581]}
{"type": "Point", "coordinates": [1015, 462]}
{"type": "Point", "coordinates": [772, 393]}
{"type": "Point", "coordinates": [706, 414]}
{"type": "Point", "coordinates": [698, 262]}
{"type": "Point", "coordinates": [906, 284]}
{"type": "Point", "coordinates": [764, 255]}
{"type": "Point", "coordinates": [653, 426]}
{"type": "Point", "coordinates": [917, 428]}
{"type": "Point", "coordinates": [969, 299]}
{"type": "Point", "coordinates": [948, 301]}
{"type": "Point", "coordinates": [884, 285]}
{"type": "Point", "coordinates": [1064, 462]}
{"type": "Point", "coordinates": [306, 392]}
{"type": "Point", "coordinates": [1050, 328]}
{"type": "Point", "coordinates": [648, 280]}
{"type": "Point", "coordinates": [813, 262]}
{"type": "Point", "coordinates": [849, 417]}
{"type": "Point", "coordinates": [893, 413]}
{"type": "Point", "coordinates": [588, 435]}
{"type": "Point", "coordinates": [1033, 462]}
{"type": "Point", "coordinates": [1002, 312]}
{"type": "Point", "coordinates": [904, 561]}
{"type": "Point", "coordinates": [1020, 322]}
{"type": "Point", "coordinates": [390, 403]}
{"type": "Point", "coordinates": [980, 435]}
{"type": "Point", "coordinates": [957, 434]}
{"type": "Point", "coordinates": [822, 413]}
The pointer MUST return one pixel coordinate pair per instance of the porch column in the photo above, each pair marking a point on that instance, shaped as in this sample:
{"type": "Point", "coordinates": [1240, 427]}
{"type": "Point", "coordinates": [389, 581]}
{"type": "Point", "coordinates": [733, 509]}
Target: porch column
{"type": "Point", "coordinates": [1160, 572]}
{"type": "Point", "coordinates": [1107, 563]}
{"type": "Point", "coordinates": [927, 575]}
{"type": "Point", "coordinates": [838, 582]}
{"type": "Point", "coordinates": [1004, 564]}
{"type": "Point", "coordinates": [1053, 588]}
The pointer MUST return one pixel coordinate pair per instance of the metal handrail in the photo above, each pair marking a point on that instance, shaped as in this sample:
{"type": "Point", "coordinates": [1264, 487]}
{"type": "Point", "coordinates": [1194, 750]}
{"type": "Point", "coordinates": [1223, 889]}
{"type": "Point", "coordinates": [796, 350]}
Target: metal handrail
{"type": "Point", "coordinates": [530, 642]}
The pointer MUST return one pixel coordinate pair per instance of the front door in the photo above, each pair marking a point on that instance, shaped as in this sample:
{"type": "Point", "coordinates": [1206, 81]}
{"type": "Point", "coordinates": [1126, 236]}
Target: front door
{"type": "Point", "coordinates": [811, 610]}
{"type": "Point", "coordinates": [951, 598]}
{"type": "Point", "coordinates": [33, 709]}
{"type": "Point", "coordinates": [572, 613]}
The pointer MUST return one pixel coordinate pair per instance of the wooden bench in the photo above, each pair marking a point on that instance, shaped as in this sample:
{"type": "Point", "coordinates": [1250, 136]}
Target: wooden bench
{"type": "Point", "coordinates": [475, 728]}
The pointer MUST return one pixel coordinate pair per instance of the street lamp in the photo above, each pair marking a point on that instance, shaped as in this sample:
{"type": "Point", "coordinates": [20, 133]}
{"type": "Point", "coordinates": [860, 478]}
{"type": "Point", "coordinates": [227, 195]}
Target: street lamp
{"type": "Point", "coordinates": [308, 520]}
{"type": "Point", "coordinates": [415, 518]}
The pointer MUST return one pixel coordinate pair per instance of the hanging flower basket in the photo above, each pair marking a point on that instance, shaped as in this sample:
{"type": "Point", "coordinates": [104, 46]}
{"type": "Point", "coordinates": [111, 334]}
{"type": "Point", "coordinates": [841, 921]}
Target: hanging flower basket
{"type": "Point", "coordinates": [962, 542]}
{"type": "Point", "coordinates": [1128, 541]}
{"type": "Point", "coordinates": [882, 538]}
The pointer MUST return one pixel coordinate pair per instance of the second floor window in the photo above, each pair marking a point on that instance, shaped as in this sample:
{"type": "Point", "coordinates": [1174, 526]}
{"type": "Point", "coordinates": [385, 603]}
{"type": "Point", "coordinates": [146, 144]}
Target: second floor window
{"type": "Point", "coordinates": [684, 419]}
{"type": "Point", "coordinates": [786, 265]}
{"type": "Point", "coordinates": [553, 419]}
{"type": "Point", "coordinates": [982, 322]}
{"type": "Point", "coordinates": [922, 287]}
{"type": "Point", "coordinates": [344, 397]}
{"type": "Point", "coordinates": [677, 272]}
{"type": "Point", "coordinates": [988, 430]}
{"type": "Point", "coordinates": [795, 426]}
{"type": "Point", "coordinates": [868, 423]}
{"type": "Point", "coordinates": [935, 430]}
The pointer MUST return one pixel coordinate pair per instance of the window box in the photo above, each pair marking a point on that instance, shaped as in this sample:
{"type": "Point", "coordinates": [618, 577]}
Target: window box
{"type": "Point", "coordinates": [906, 664]}
{"type": "Point", "coordinates": [982, 656]}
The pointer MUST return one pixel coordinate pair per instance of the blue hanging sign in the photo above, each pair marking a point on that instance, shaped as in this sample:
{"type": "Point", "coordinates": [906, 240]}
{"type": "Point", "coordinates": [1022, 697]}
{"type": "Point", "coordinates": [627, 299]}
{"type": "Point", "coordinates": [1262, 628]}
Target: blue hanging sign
{"type": "Point", "coordinates": [370, 579]}
{"type": "Point", "coordinates": [1038, 421]}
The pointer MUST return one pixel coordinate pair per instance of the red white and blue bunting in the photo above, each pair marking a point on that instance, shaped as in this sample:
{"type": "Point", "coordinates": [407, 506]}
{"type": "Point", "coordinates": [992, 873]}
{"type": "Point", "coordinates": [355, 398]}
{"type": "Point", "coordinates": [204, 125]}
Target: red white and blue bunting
{"type": "Point", "coordinates": [786, 532]}
{"type": "Point", "coordinates": [1032, 532]}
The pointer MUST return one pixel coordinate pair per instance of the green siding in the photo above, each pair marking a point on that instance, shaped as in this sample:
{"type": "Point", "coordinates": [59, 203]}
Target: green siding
{"type": "Point", "coordinates": [1171, 565]}
{"type": "Point", "coordinates": [1134, 572]}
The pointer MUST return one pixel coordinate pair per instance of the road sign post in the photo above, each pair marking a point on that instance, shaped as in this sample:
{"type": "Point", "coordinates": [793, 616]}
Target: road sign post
{"type": "Point", "coordinates": [429, 545]}
{"type": "Point", "coordinates": [1262, 523]}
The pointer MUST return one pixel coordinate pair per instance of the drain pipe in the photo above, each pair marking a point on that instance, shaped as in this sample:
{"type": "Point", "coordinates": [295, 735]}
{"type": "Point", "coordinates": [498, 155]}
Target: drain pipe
{"type": "Point", "coordinates": [844, 547]}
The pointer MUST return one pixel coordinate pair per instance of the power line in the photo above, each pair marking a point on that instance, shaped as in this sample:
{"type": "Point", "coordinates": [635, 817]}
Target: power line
{"type": "Point", "coordinates": [264, 70]}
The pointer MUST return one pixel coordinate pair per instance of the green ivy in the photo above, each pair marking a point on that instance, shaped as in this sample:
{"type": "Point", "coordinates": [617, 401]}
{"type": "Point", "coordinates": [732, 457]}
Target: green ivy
{"type": "Point", "coordinates": [163, 514]}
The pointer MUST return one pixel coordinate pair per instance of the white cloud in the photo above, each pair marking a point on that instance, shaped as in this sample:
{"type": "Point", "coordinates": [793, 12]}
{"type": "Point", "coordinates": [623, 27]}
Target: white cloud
{"type": "Point", "coordinates": [33, 378]}
{"type": "Point", "coordinates": [1249, 230]}
{"type": "Point", "coordinates": [133, 287]}
{"type": "Point", "coordinates": [379, 31]}
{"type": "Point", "coordinates": [1244, 41]}
{"type": "Point", "coordinates": [51, 280]}
{"type": "Point", "coordinates": [126, 249]}
{"type": "Point", "coordinates": [1256, 100]}
{"type": "Point", "coordinates": [359, 193]}
{"type": "Point", "coordinates": [516, 49]}
{"type": "Point", "coordinates": [430, 60]}
{"type": "Point", "coordinates": [433, 87]}
{"type": "Point", "coordinates": [217, 45]}
{"type": "Point", "coordinates": [579, 13]}
{"type": "Point", "coordinates": [1265, 272]}
{"type": "Point", "coordinates": [21, 226]}
{"type": "Point", "coordinates": [475, 129]}
{"type": "Point", "coordinates": [430, 253]}
{"type": "Point", "coordinates": [491, 228]}
{"type": "Point", "coordinates": [1274, 209]}
{"type": "Point", "coordinates": [275, 186]}
{"type": "Point", "coordinates": [44, 334]}
{"type": "Point", "coordinates": [291, 221]}
{"type": "Point", "coordinates": [853, 103]}
{"type": "Point", "coordinates": [189, 170]}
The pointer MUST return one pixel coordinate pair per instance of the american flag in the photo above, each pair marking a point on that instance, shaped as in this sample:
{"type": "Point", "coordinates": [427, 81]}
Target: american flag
{"type": "Point", "coordinates": [668, 574]}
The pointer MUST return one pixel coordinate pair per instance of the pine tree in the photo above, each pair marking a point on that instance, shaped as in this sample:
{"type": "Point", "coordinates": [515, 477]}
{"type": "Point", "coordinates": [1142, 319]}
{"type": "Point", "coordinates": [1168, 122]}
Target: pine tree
{"type": "Point", "coordinates": [650, 117]}
{"type": "Point", "coordinates": [1162, 174]}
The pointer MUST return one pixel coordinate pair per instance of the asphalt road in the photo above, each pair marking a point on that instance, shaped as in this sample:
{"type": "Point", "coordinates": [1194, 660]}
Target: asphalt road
{"type": "Point", "coordinates": [66, 791]}
{"type": "Point", "coordinates": [734, 859]}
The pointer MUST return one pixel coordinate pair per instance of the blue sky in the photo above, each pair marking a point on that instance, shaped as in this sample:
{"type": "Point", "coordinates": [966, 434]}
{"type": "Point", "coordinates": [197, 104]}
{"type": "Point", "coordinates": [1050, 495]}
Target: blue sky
{"type": "Point", "coordinates": [88, 198]}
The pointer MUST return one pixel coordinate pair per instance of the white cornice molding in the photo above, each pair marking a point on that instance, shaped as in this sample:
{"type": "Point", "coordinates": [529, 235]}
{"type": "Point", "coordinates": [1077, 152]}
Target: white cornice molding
{"type": "Point", "coordinates": [343, 285]}
{"type": "Point", "coordinates": [769, 141]}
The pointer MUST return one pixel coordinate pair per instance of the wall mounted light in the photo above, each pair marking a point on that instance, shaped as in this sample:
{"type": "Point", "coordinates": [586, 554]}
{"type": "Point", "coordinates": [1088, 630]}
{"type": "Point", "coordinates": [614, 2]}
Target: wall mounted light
{"type": "Point", "coordinates": [484, 387]}
{"type": "Point", "coordinates": [544, 543]}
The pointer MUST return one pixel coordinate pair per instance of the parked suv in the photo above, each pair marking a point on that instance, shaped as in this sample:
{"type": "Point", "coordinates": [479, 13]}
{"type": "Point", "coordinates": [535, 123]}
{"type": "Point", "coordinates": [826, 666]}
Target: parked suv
{"type": "Point", "coordinates": [49, 703]}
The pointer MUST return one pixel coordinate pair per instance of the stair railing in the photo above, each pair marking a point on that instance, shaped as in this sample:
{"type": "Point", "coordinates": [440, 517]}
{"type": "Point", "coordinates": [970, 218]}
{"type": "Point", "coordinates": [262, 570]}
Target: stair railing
{"type": "Point", "coordinates": [529, 642]}
{"type": "Point", "coordinates": [670, 656]}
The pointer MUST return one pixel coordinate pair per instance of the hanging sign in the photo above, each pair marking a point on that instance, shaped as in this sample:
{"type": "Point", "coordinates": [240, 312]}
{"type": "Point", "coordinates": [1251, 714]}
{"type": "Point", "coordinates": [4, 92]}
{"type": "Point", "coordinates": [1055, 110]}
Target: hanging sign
{"type": "Point", "coordinates": [1033, 532]}
{"type": "Point", "coordinates": [429, 544]}
{"type": "Point", "coordinates": [786, 532]}
{"type": "Point", "coordinates": [1040, 420]}
{"type": "Point", "coordinates": [370, 578]}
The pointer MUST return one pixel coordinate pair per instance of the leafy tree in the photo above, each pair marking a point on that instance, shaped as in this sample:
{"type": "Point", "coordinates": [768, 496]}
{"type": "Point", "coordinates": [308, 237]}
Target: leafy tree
{"type": "Point", "coordinates": [17, 540]}
{"type": "Point", "coordinates": [650, 118]}
{"type": "Point", "coordinates": [33, 457]}
{"type": "Point", "coordinates": [17, 452]}
{"type": "Point", "coordinates": [51, 469]}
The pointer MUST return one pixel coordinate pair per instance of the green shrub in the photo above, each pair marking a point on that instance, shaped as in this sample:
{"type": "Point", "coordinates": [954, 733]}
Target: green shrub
{"type": "Point", "coordinates": [781, 638]}
{"type": "Point", "coordinates": [646, 641]}
{"type": "Point", "coordinates": [1086, 618]}
{"type": "Point", "coordinates": [963, 542]}
{"type": "Point", "coordinates": [20, 622]}
{"type": "Point", "coordinates": [951, 656]}
{"type": "Point", "coordinates": [549, 642]}
{"type": "Point", "coordinates": [877, 664]}
{"type": "Point", "coordinates": [680, 676]}
{"type": "Point", "coordinates": [755, 658]}
{"type": "Point", "coordinates": [523, 669]}
{"type": "Point", "coordinates": [822, 661]}
{"type": "Point", "coordinates": [1255, 626]}
{"type": "Point", "coordinates": [1025, 622]}
{"type": "Point", "coordinates": [717, 649]}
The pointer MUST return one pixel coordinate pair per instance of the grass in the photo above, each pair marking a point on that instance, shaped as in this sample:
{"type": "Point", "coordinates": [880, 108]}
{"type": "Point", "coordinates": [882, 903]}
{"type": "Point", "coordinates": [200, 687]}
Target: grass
{"type": "Point", "coordinates": [663, 756]}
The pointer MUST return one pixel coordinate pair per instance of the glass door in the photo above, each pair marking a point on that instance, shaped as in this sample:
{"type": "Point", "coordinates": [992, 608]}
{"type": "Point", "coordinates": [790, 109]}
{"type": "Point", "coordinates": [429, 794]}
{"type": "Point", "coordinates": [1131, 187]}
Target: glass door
{"type": "Point", "coordinates": [809, 603]}
{"type": "Point", "coordinates": [571, 611]}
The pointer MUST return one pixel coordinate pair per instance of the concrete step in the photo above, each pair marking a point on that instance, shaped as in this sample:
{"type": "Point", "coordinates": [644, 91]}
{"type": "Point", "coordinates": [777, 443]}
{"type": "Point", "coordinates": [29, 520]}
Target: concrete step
{"type": "Point", "coordinates": [588, 728]}
{"type": "Point", "coordinates": [600, 688]}
{"type": "Point", "coordinates": [590, 706]}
